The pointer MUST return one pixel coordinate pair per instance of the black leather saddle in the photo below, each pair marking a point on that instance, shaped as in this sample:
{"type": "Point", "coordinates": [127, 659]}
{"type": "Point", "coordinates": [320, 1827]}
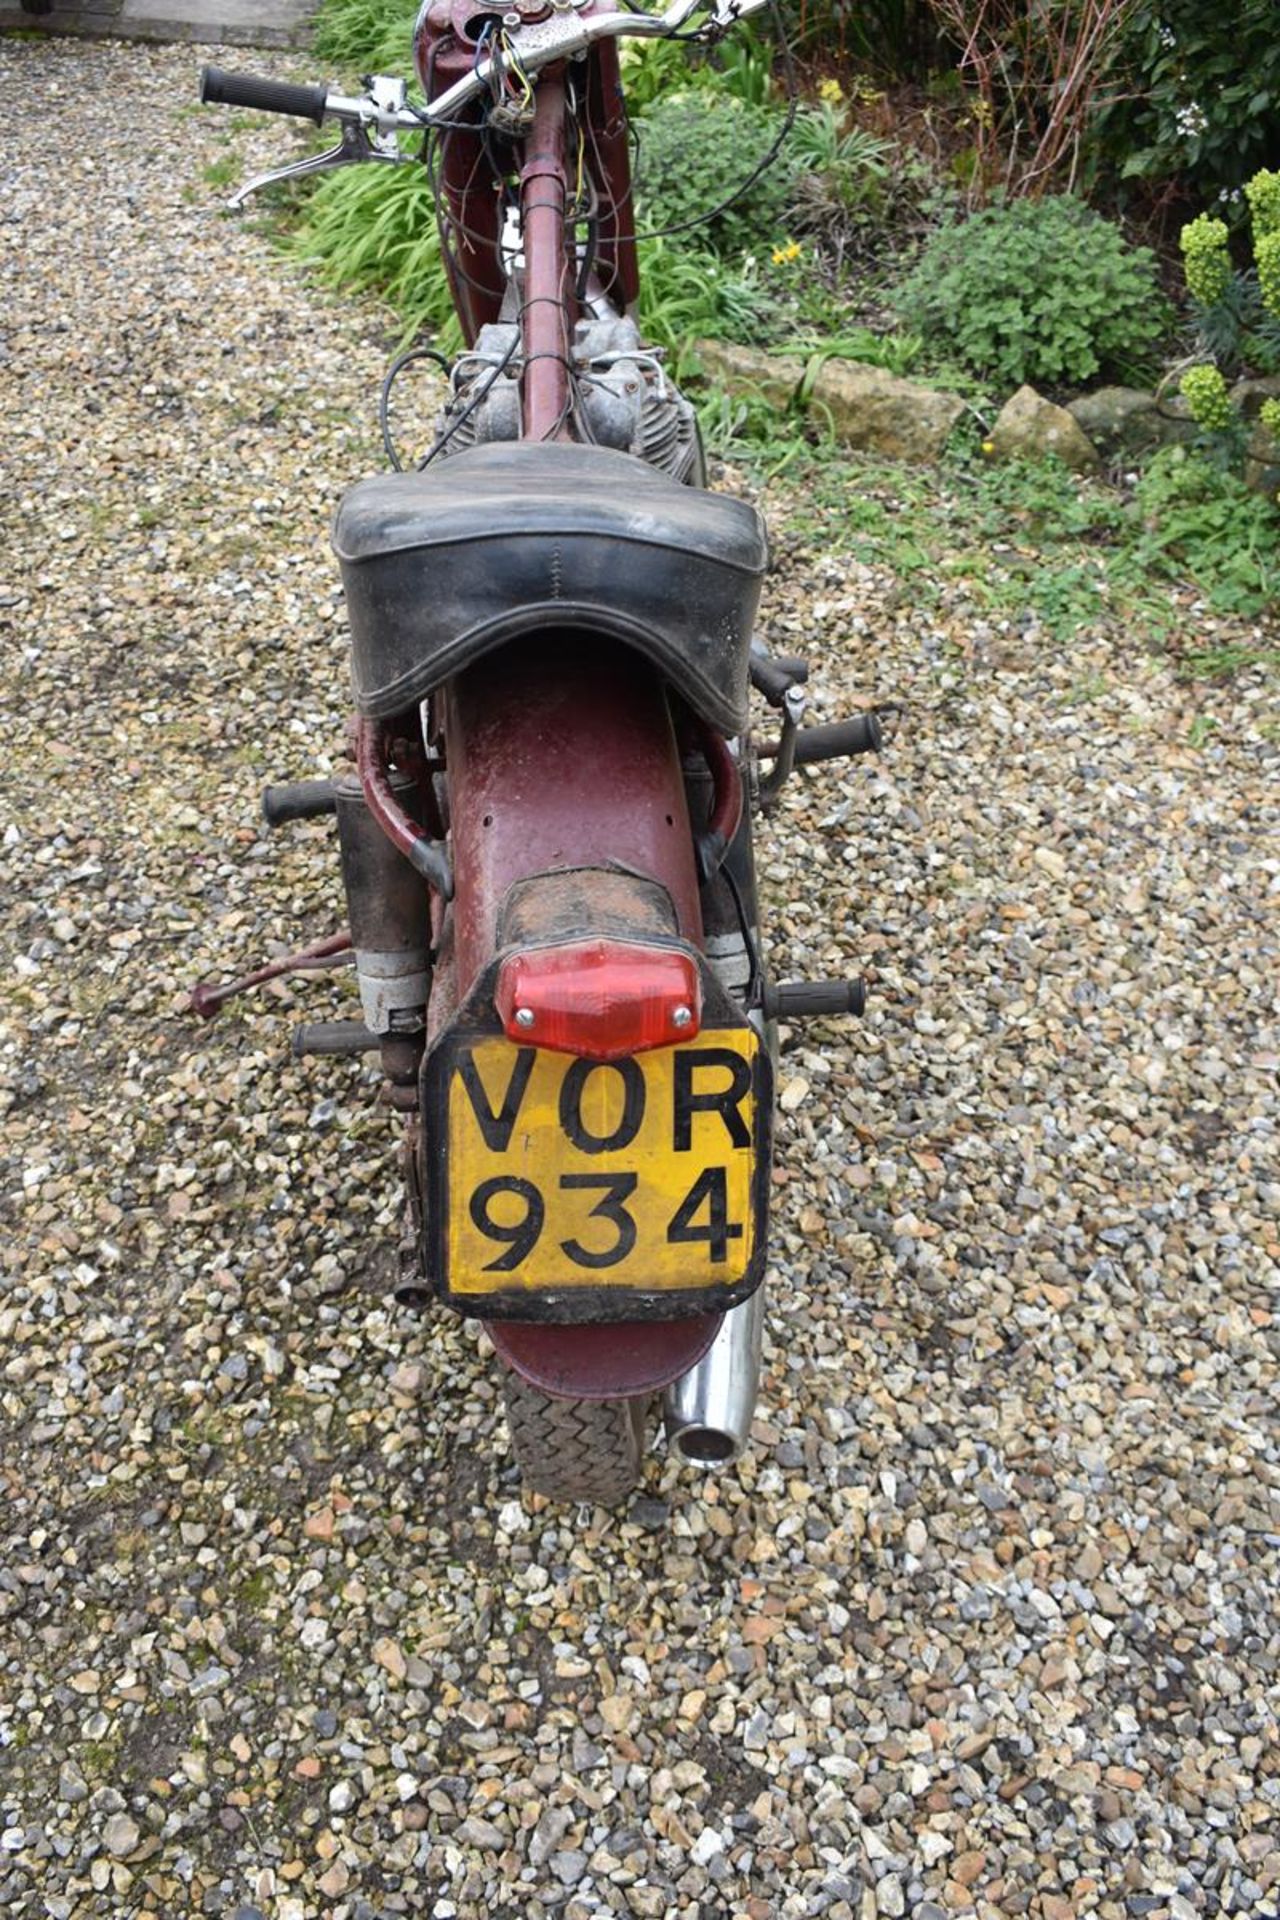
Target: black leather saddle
{"type": "Point", "coordinates": [508, 538]}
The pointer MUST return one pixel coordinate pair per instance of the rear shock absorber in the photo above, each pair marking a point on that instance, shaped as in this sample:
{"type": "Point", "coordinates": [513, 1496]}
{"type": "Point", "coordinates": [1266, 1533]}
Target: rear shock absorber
{"type": "Point", "coordinates": [388, 909]}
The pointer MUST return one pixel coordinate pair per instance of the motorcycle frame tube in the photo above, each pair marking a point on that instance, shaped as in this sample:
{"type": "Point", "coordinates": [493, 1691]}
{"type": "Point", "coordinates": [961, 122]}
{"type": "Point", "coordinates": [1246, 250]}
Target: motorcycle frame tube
{"type": "Point", "coordinates": [548, 308]}
{"type": "Point", "coordinates": [471, 184]}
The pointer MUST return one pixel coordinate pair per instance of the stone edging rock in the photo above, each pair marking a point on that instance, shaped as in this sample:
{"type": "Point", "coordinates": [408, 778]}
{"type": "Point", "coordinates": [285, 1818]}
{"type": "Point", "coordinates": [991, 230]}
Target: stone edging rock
{"type": "Point", "coordinates": [868, 408]}
{"type": "Point", "coordinates": [880, 413]}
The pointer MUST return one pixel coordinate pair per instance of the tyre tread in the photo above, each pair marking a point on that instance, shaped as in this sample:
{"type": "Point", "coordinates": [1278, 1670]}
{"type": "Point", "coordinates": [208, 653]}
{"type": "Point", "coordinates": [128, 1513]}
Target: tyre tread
{"type": "Point", "coordinates": [575, 1449]}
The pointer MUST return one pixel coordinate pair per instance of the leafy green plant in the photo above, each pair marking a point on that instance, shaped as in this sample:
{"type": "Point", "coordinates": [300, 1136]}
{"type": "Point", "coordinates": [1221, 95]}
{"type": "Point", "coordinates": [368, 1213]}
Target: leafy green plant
{"type": "Point", "coordinates": [686, 295]}
{"type": "Point", "coordinates": [897, 352]}
{"type": "Point", "coordinates": [1237, 315]}
{"type": "Point", "coordinates": [823, 139]}
{"type": "Point", "coordinates": [652, 69]}
{"type": "Point", "coordinates": [697, 151]}
{"type": "Point", "coordinates": [1016, 539]}
{"type": "Point", "coordinates": [1237, 312]}
{"type": "Point", "coordinates": [741, 68]}
{"type": "Point", "coordinates": [1195, 95]}
{"type": "Point", "coordinates": [375, 228]}
{"type": "Point", "coordinates": [366, 36]}
{"type": "Point", "coordinates": [1202, 524]}
{"type": "Point", "coordinates": [1043, 291]}
{"type": "Point", "coordinates": [749, 426]}
{"type": "Point", "coordinates": [1206, 394]}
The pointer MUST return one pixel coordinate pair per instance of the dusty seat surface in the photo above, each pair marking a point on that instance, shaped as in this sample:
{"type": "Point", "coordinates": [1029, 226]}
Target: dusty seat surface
{"type": "Point", "coordinates": [441, 566]}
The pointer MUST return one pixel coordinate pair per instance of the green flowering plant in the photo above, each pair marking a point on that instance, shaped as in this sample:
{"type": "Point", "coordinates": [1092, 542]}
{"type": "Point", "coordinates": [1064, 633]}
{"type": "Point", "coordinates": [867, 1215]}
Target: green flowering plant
{"type": "Point", "coordinates": [1237, 315]}
{"type": "Point", "coordinates": [1267, 254]}
{"type": "Point", "coordinates": [1263, 195]}
{"type": "Point", "coordinates": [1205, 392]}
{"type": "Point", "coordinates": [1237, 311]}
{"type": "Point", "coordinates": [1206, 259]}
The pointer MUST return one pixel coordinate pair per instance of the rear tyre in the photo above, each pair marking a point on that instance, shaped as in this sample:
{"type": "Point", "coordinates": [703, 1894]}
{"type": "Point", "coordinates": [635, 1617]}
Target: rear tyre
{"type": "Point", "coordinates": [575, 1449]}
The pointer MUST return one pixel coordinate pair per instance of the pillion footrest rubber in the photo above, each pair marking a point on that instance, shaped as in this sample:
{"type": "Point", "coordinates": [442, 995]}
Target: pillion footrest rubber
{"type": "Point", "coordinates": [806, 999]}
{"type": "Point", "coordinates": [298, 800]}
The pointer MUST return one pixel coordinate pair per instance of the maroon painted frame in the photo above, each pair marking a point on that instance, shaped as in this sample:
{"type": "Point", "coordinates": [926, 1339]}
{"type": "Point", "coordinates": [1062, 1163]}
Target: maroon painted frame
{"type": "Point", "coordinates": [560, 751]}
{"type": "Point", "coordinates": [472, 184]}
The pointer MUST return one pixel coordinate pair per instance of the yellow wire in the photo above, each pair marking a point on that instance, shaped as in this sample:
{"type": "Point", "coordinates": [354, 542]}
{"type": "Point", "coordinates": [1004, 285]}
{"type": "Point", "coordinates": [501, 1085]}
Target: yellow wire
{"type": "Point", "coordinates": [512, 61]}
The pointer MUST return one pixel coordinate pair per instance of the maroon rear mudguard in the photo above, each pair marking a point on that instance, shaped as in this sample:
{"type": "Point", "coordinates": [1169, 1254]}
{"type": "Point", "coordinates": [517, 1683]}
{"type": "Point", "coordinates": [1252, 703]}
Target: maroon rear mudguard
{"type": "Point", "coordinates": [561, 753]}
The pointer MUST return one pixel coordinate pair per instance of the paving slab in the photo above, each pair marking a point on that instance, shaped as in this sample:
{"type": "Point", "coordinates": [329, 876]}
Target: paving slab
{"type": "Point", "coordinates": [251, 23]}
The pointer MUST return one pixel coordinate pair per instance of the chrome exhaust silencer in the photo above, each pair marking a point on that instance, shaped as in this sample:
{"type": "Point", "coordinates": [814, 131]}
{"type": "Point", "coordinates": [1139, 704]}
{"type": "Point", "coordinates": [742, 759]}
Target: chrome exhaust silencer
{"type": "Point", "coordinates": [708, 1411]}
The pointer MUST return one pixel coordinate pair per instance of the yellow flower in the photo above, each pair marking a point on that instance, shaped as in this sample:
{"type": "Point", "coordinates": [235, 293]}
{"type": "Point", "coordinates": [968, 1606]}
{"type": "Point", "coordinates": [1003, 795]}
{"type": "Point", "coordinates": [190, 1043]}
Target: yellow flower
{"type": "Point", "coordinates": [783, 256]}
{"type": "Point", "coordinates": [832, 92]}
{"type": "Point", "coordinates": [988, 446]}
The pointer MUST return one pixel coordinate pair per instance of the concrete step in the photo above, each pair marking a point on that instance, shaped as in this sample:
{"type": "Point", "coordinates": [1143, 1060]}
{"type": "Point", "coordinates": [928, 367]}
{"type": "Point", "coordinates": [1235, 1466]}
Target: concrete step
{"type": "Point", "coordinates": [246, 23]}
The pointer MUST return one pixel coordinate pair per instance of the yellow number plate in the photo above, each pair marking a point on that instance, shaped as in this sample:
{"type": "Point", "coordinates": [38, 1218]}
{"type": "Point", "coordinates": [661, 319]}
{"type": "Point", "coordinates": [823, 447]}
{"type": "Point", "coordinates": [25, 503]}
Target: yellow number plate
{"type": "Point", "coordinates": [567, 1173]}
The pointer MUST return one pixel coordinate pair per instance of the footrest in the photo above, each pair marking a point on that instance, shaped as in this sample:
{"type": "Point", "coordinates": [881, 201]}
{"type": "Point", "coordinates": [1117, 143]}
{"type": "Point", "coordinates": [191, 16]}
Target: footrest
{"type": "Point", "coordinates": [335, 1037]}
{"type": "Point", "coordinates": [298, 800]}
{"type": "Point", "coordinates": [840, 740]}
{"type": "Point", "coordinates": [806, 999]}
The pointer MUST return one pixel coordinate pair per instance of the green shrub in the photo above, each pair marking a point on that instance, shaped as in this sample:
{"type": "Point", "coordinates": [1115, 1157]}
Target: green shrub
{"type": "Point", "coordinates": [1042, 291]}
{"type": "Point", "coordinates": [1195, 95]}
{"type": "Point", "coordinates": [696, 152]}
{"type": "Point", "coordinates": [366, 36]}
{"type": "Point", "coordinates": [1203, 524]}
{"type": "Point", "coordinates": [375, 228]}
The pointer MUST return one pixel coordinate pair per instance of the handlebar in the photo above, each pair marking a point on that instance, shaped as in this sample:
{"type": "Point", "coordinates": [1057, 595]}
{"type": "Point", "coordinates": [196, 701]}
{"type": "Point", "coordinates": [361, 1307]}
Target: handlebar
{"type": "Point", "coordinates": [564, 33]}
{"type": "Point", "coordinates": [270, 96]}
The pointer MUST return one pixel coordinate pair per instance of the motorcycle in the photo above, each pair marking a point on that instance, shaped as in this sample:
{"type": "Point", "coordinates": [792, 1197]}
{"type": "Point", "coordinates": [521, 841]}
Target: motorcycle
{"type": "Point", "coordinates": [546, 836]}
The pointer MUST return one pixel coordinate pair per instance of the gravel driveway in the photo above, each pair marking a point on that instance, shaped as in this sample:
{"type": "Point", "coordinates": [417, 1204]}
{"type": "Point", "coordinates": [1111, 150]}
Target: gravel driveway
{"type": "Point", "coordinates": [986, 1623]}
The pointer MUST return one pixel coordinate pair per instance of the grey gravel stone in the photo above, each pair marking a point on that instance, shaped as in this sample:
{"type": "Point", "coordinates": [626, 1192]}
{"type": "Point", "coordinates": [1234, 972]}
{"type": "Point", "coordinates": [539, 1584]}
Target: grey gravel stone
{"type": "Point", "coordinates": [991, 1595]}
{"type": "Point", "coordinates": [890, 1898]}
{"type": "Point", "coordinates": [121, 1835]}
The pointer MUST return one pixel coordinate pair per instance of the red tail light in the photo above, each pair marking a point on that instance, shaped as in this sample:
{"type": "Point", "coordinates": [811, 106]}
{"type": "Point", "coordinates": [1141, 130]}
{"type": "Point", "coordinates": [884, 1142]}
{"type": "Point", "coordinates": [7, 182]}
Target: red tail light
{"type": "Point", "coordinates": [602, 999]}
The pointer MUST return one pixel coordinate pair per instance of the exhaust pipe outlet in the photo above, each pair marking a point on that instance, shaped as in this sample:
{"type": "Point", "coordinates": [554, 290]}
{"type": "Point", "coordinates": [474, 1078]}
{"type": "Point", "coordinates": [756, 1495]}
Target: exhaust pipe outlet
{"type": "Point", "coordinates": [708, 1411]}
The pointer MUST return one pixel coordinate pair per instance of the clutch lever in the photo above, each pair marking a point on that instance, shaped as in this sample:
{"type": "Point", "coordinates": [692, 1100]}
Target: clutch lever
{"type": "Point", "coordinates": [379, 108]}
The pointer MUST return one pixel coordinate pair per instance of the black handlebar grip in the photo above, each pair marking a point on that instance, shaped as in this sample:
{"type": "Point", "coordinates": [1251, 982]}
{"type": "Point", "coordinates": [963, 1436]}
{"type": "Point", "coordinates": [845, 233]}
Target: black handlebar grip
{"type": "Point", "coordinates": [269, 96]}
{"type": "Point", "coordinates": [298, 800]}
{"type": "Point", "coordinates": [774, 678]}
{"type": "Point", "coordinates": [840, 740]}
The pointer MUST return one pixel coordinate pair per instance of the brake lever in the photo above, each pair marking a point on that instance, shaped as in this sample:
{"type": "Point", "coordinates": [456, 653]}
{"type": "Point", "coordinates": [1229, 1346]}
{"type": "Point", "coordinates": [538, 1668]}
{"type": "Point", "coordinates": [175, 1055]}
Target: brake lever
{"type": "Point", "coordinates": [356, 146]}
